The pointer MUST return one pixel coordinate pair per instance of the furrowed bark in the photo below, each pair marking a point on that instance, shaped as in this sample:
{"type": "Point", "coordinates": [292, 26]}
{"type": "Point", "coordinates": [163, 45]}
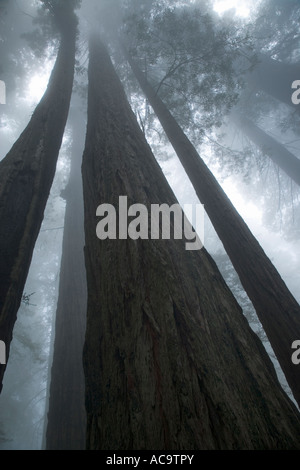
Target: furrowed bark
{"type": "Point", "coordinates": [170, 361]}
{"type": "Point", "coordinates": [275, 306]}
{"type": "Point", "coordinates": [26, 175]}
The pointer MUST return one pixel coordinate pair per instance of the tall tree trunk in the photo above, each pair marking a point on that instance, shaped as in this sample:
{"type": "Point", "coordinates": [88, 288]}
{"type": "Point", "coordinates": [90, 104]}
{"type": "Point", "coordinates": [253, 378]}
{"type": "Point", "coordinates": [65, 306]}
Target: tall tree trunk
{"type": "Point", "coordinates": [66, 415]}
{"type": "Point", "coordinates": [170, 361]}
{"type": "Point", "coordinates": [26, 175]}
{"type": "Point", "coordinates": [274, 78]}
{"type": "Point", "coordinates": [276, 308]}
{"type": "Point", "coordinates": [287, 161]}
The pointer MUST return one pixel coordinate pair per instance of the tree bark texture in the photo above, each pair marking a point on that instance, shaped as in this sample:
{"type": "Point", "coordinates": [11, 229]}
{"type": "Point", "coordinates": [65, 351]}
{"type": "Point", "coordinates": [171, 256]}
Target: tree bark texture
{"type": "Point", "coordinates": [169, 359]}
{"type": "Point", "coordinates": [66, 415]}
{"type": "Point", "coordinates": [286, 160]}
{"type": "Point", "coordinates": [26, 176]}
{"type": "Point", "coordinates": [275, 306]}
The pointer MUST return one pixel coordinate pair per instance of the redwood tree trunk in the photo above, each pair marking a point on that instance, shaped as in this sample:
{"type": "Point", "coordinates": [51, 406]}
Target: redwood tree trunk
{"type": "Point", "coordinates": [276, 307]}
{"type": "Point", "coordinates": [66, 415]}
{"type": "Point", "coordinates": [170, 361]}
{"type": "Point", "coordinates": [26, 175]}
{"type": "Point", "coordinates": [287, 161]}
{"type": "Point", "coordinates": [275, 78]}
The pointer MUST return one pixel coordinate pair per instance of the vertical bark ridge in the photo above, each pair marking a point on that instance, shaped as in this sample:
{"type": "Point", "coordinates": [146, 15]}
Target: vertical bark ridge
{"type": "Point", "coordinates": [276, 308]}
{"type": "Point", "coordinates": [170, 361]}
{"type": "Point", "coordinates": [26, 175]}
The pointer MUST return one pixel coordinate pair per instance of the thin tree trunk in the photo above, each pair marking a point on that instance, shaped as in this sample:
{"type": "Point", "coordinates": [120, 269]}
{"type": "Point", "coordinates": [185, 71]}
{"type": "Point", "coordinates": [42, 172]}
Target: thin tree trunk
{"type": "Point", "coordinates": [66, 415]}
{"type": "Point", "coordinates": [287, 161]}
{"type": "Point", "coordinates": [26, 175]}
{"type": "Point", "coordinates": [275, 78]}
{"type": "Point", "coordinates": [170, 361]}
{"type": "Point", "coordinates": [276, 308]}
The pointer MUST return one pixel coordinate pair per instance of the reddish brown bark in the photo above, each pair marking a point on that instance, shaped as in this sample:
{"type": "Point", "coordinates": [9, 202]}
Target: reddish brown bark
{"type": "Point", "coordinates": [26, 175]}
{"type": "Point", "coordinates": [275, 306]}
{"type": "Point", "coordinates": [170, 361]}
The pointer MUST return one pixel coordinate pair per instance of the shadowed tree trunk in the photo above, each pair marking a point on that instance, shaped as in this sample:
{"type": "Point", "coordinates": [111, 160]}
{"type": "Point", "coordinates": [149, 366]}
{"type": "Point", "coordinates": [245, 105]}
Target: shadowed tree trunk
{"type": "Point", "coordinates": [26, 175]}
{"type": "Point", "coordinates": [276, 307]}
{"type": "Point", "coordinates": [287, 161]}
{"type": "Point", "coordinates": [66, 415]}
{"type": "Point", "coordinates": [275, 78]}
{"type": "Point", "coordinates": [170, 361]}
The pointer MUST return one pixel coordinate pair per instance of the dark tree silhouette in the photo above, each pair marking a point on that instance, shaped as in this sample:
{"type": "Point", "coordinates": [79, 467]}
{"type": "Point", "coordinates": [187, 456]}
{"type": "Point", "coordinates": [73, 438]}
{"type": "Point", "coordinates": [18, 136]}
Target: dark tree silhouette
{"type": "Point", "coordinates": [170, 361]}
{"type": "Point", "coordinates": [274, 78]}
{"type": "Point", "coordinates": [276, 307]}
{"type": "Point", "coordinates": [26, 175]}
{"type": "Point", "coordinates": [66, 415]}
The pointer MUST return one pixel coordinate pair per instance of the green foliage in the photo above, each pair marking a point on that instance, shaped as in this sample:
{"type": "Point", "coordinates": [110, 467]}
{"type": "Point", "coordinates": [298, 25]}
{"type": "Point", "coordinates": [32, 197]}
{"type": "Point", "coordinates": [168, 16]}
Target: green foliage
{"type": "Point", "coordinates": [188, 55]}
{"type": "Point", "coordinates": [276, 29]}
{"type": "Point", "coordinates": [275, 32]}
{"type": "Point", "coordinates": [51, 21]}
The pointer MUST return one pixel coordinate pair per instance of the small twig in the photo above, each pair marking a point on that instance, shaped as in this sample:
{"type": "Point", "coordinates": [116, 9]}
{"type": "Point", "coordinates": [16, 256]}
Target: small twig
{"type": "Point", "coordinates": [24, 12]}
{"type": "Point", "coordinates": [51, 229]}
